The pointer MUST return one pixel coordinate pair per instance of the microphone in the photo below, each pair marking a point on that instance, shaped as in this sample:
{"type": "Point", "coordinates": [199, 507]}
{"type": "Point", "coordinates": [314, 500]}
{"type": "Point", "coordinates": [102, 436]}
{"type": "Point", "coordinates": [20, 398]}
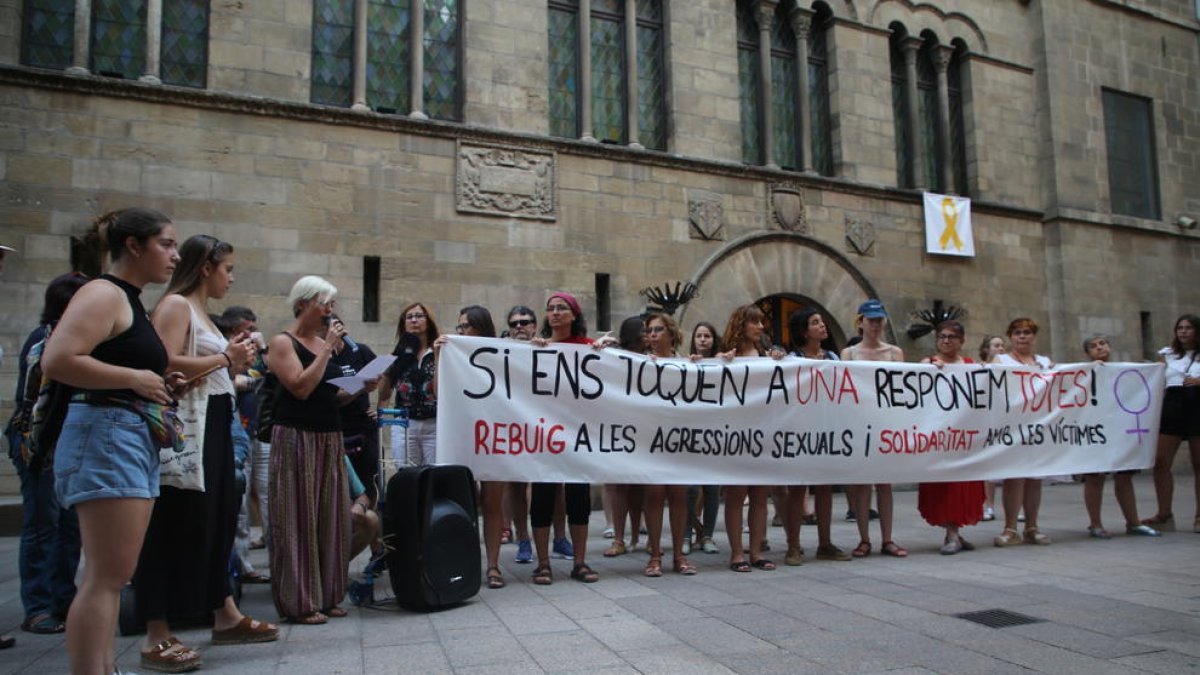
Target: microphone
{"type": "Point", "coordinates": [346, 339]}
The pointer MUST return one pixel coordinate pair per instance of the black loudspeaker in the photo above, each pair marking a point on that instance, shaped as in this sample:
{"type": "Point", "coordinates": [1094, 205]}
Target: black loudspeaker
{"type": "Point", "coordinates": [432, 536]}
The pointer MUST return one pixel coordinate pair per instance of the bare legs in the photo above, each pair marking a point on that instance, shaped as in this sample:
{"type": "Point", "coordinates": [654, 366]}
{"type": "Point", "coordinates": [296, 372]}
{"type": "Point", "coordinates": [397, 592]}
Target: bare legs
{"type": "Point", "coordinates": [734, 497]}
{"type": "Point", "coordinates": [861, 498]}
{"type": "Point", "coordinates": [1164, 484]}
{"type": "Point", "coordinates": [112, 531]}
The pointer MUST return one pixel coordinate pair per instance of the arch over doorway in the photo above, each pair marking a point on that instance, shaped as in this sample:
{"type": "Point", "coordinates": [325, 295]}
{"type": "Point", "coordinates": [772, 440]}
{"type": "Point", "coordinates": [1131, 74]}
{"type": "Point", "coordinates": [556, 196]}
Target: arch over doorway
{"type": "Point", "coordinates": [765, 264]}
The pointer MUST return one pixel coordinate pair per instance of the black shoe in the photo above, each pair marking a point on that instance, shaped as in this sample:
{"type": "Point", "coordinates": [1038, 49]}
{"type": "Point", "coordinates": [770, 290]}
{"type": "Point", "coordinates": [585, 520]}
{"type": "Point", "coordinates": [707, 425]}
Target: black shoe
{"type": "Point", "coordinates": [874, 515]}
{"type": "Point", "coordinates": [850, 515]}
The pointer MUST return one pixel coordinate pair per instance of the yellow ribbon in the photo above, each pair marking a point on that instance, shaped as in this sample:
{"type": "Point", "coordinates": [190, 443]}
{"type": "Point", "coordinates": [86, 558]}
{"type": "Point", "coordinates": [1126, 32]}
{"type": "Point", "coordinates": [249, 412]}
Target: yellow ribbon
{"type": "Point", "coordinates": [950, 214]}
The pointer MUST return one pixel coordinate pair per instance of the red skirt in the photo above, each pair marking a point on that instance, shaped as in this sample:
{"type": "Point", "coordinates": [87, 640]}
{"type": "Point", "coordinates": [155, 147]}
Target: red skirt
{"type": "Point", "coordinates": [955, 504]}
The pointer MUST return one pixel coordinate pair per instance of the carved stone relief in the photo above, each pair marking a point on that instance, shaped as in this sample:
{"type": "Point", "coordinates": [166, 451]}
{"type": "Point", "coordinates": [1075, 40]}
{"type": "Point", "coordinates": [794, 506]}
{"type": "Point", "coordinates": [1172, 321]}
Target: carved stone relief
{"type": "Point", "coordinates": [505, 181]}
{"type": "Point", "coordinates": [860, 237]}
{"type": "Point", "coordinates": [786, 208]}
{"type": "Point", "coordinates": [706, 213]}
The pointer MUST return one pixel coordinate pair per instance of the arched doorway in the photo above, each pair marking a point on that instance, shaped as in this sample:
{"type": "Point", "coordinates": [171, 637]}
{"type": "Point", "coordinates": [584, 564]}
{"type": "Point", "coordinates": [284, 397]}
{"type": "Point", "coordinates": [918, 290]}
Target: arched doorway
{"type": "Point", "coordinates": [785, 270]}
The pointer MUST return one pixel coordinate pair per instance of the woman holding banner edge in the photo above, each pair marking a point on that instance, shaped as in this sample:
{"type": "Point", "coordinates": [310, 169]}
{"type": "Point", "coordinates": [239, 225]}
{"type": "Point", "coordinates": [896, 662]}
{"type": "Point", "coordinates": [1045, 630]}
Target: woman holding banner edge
{"type": "Point", "coordinates": [744, 335]}
{"type": "Point", "coordinates": [662, 338]}
{"type": "Point", "coordinates": [1180, 419]}
{"type": "Point", "coordinates": [1022, 492]}
{"type": "Point", "coordinates": [564, 323]}
{"type": "Point", "coordinates": [807, 331]}
{"type": "Point", "coordinates": [952, 504]}
{"type": "Point", "coordinates": [873, 348]}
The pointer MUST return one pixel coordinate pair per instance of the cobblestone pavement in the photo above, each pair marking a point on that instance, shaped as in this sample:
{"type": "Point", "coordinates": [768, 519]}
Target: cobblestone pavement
{"type": "Point", "coordinates": [1125, 605]}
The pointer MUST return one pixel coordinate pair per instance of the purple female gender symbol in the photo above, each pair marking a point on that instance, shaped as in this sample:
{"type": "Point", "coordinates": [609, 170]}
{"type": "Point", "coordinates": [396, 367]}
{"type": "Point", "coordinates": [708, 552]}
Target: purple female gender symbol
{"type": "Point", "coordinates": [1137, 414]}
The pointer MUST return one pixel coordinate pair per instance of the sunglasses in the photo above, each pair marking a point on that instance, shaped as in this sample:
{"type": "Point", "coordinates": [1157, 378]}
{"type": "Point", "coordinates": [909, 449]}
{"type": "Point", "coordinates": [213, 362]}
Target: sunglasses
{"type": "Point", "coordinates": [521, 323]}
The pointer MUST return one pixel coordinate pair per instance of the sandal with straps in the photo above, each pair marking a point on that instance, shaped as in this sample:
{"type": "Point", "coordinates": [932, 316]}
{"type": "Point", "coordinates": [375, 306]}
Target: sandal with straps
{"type": "Point", "coordinates": [654, 567]}
{"type": "Point", "coordinates": [543, 576]}
{"type": "Point", "coordinates": [582, 572]}
{"type": "Point", "coordinates": [893, 549]}
{"type": "Point", "coordinates": [862, 550]}
{"type": "Point", "coordinates": [685, 567]}
{"type": "Point", "coordinates": [247, 631]}
{"type": "Point", "coordinates": [494, 578]}
{"type": "Point", "coordinates": [171, 656]}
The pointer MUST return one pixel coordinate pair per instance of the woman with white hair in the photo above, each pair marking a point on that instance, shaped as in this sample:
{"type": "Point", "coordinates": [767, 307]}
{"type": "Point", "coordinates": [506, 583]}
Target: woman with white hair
{"type": "Point", "coordinates": [310, 526]}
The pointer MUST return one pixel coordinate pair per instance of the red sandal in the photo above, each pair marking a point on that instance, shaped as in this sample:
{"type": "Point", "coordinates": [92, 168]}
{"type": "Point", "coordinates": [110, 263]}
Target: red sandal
{"type": "Point", "coordinates": [893, 549]}
{"type": "Point", "coordinates": [862, 550]}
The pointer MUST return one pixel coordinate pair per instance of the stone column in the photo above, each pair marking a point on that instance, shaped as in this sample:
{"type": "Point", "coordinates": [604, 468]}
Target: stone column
{"type": "Point", "coordinates": [911, 45]}
{"type": "Point", "coordinates": [764, 13]}
{"type": "Point", "coordinates": [585, 71]}
{"type": "Point", "coordinates": [416, 88]}
{"type": "Point", "coordinates": [83, 38]}
{"type": "Point", "coordinates": [941, 63]}
{"type": "Point", "coordinates": [801, 24]}
{"type": "Point", "coordinates": [360, 57]}
{"type": "Point", "coordinates": [153, 42]}
{"type": "Point", "coordinates": [631, 75]}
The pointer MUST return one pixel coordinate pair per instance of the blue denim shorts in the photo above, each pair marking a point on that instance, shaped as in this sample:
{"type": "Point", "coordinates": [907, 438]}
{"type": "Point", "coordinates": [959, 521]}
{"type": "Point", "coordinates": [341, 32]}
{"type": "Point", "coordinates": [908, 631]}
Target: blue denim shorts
{"type": "Point", "coordinates": [104, 452]}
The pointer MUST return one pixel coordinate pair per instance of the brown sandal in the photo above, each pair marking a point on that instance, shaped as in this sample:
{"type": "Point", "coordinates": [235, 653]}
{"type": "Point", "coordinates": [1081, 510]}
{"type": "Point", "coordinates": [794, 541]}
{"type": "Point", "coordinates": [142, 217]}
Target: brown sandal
{"type": "Point", "coordinates": [247, 631]}
{"type": "Point", "coordinates": [335, 612]}
{"type": "Point", "coordinates": [615, 549]}
{"type": "Point", "coordinates": [495, 580]}
{"type": "Point", "coordinates": [654, 567]}
{"type": "Point", "coordinates": [543, 576]}
{"type": "Point", "coordinates": [862, 550]}
{"type": "Point", "coordinates": [685, 567]}
{"type": "Point", "coordinates": [171, 656]}
{"type": "Point", "coordinates": [893, 549]}
{"type": "Point", "coordinates": [314, 619]}
{"type": "Point", "coordinates": [585, 574]}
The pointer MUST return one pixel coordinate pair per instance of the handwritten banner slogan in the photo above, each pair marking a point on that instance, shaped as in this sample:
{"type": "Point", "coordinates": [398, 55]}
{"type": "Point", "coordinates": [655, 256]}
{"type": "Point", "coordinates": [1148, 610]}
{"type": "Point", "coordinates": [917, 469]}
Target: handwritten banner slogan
{"type": "Point", "coordinates": [512, 411]}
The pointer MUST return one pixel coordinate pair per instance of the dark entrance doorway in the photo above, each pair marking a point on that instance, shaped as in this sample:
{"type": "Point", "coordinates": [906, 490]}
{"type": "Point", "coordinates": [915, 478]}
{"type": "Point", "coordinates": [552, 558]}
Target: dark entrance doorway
{"type": "Point", "coordinates": [777, 308]}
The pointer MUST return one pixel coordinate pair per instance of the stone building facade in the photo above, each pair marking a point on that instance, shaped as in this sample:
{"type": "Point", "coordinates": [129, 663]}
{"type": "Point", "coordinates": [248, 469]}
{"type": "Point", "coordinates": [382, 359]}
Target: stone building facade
{"type": "Point", "coordinates": [491, 204]}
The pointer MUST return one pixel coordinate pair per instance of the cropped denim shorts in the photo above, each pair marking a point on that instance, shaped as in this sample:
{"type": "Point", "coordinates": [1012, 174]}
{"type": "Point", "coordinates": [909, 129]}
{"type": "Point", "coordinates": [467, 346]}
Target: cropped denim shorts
{"type": "Point", "coordinates": [104, 452]}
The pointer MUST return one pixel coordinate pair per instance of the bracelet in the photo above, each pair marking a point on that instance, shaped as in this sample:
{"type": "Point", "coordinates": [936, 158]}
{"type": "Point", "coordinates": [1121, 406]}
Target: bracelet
{"type": "Point", "coordinates": [227, 359]}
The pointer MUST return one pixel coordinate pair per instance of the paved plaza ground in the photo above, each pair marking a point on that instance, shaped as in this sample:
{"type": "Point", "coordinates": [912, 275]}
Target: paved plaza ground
{"type": "Point", "coordinates": [1126, 605]}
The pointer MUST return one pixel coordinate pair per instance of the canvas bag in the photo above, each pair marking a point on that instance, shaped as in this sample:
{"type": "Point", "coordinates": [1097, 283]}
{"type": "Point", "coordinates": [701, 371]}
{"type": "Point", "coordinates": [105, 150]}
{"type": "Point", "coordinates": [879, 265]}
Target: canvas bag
{"type": "Point", "coordinates": [184, 468]}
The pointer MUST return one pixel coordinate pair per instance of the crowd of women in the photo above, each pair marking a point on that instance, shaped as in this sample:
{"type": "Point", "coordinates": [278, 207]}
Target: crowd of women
{"type": "Point", "coordinates": [124, 369]}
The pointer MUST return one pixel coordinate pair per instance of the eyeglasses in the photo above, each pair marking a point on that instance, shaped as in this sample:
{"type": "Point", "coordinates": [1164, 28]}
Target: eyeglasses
{"type": "Point", "coordinates": [462, 327]}
{"type": "Point", "coordinates": [948, 336]}
{"type": "Point", "coordinates": [414, 316]}
{"type": "Point", "coordinates": [654, 330]}
{"type": "Point", "coordinates": [521, 323]}
{"type": "Point", "coordinates": [557, 309]}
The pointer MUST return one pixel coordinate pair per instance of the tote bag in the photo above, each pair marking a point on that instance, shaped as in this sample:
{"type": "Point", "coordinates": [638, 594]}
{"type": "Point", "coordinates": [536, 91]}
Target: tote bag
{"type": "Point", "coordinates": [184, 468]}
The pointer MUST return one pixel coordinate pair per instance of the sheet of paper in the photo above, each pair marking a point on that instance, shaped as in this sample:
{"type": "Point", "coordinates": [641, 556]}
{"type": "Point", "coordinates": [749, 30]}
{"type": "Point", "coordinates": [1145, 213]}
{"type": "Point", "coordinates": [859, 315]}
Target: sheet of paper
{"type": "Point", "coordinates": [374, 369]}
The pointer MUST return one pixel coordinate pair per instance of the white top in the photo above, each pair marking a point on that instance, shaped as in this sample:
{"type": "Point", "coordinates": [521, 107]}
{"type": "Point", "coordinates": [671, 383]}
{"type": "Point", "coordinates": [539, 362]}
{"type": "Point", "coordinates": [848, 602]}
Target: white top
{"type": "Point", "coordinates": [1043, 362]}
{"type": "Point", "coordinates": [1180, 366]}
{"type": "Point", "coordinates": [209, 342]}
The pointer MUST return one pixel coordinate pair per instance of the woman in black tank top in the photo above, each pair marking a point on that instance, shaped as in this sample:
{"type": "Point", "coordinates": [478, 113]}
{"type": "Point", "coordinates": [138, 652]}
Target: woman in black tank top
{"type": "Point", "coordinates": [107, 350]}
{"type": "Point", "coordinates": [309, 492]}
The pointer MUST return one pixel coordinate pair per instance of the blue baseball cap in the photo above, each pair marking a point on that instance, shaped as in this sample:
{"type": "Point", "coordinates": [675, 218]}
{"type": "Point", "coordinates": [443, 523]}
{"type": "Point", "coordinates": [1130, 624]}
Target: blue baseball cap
{"type": "Point", "coordinates": [872, 309]}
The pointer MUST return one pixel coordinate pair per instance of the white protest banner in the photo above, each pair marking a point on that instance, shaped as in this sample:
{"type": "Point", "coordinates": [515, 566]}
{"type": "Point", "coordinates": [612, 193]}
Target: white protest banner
{"type": "Point", "coordinates": [512, 411]}
{"type": "Point", "coordinates": [948, 228]}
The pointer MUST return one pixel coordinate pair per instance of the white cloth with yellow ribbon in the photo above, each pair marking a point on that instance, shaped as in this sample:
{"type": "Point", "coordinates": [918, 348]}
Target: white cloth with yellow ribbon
{"type": "Point", "coordinates": [948, 225]}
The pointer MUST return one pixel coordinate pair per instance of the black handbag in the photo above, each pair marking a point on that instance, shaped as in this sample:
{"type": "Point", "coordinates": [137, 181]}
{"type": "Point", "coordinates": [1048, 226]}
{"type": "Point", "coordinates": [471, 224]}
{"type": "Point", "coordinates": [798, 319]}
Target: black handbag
{"type": "Point", "coordinates": [264, 404]}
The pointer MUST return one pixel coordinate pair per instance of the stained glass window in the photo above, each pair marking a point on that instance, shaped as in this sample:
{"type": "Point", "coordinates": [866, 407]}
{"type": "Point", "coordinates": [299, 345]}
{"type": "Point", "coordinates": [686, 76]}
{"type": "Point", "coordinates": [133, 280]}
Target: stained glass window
{"type": "Point", "coordinates": [441, 59]}
{"type": "Point", "coordinates": [818, 92]}
{"type": "Point", "coordinates": [563, 29]}
{"type": "Point", "coordinates": [927, 104]}
{"type": "Point", "coordinates": [958, 134]}
{"type": "Point", "coordinates": [388, 57]}
{"type": "Point", "coordinates": [119, 38]}
{"type": "Point", "coordinates": [900, 112]}
{"type": "Point", "coordinates": [48, 40]}
{"type": "Point", "coordinates": [652, 85]}
{"type": "Point", "coordinates": [748, 85]}
{"type": "Point", "coordinates": [608, 72]}
{"type": "Point", "coordinates": [784, 103]}
{"type": "Point", "coordinates": [184, 48]}
{"type": "Point", "coordinates": [333, 52]}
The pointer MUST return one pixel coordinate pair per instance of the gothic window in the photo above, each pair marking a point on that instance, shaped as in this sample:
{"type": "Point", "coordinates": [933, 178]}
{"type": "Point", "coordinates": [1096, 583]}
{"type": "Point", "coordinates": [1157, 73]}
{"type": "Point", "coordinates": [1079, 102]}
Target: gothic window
{"type": "Point", "coordinates": [119, 38]}
{"type": "Point", "coordinates": [749, 96]}
{"type": "Point", "coordinates": [798, 82]}
{"type": "Point", "coordinates": [48, 37]}
{"type": "Point", "coordinates": [1132, 163]}
{"type": "Point", "coordinates": [611, 115]}
{"type": "Point", "coordinates": [333, 53]}
{"type": "Point", "coordinates": [388, 61]}
{"type": "Point", "coordinates": [931, 133]}
{"type": "Point", "coordinates": [184, 47]}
